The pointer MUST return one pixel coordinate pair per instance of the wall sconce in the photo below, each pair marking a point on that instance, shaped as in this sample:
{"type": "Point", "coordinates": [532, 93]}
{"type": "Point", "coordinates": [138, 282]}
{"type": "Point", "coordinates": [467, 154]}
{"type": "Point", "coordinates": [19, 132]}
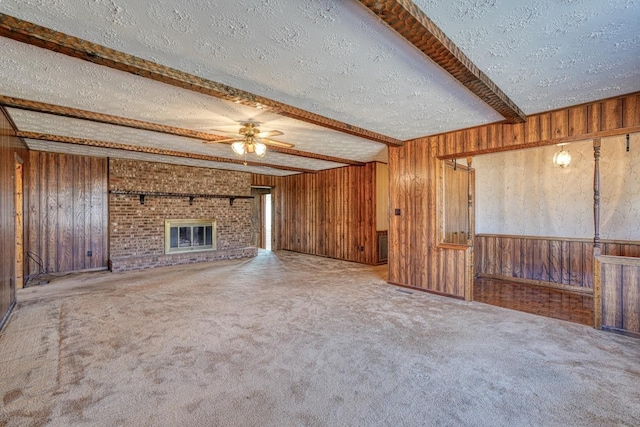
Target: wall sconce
{"type": "Point", "coordinates": [562, 158]}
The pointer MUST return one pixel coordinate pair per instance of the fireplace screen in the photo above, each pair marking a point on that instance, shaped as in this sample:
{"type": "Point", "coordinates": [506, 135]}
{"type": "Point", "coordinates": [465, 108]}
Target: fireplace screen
{"type": "Point", "coordinates": [189, 235]}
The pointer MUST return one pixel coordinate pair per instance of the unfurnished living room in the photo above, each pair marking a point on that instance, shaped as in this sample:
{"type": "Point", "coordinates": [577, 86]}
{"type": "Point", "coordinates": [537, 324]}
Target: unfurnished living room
{"type": "Point", "coordinates": [320, 213]}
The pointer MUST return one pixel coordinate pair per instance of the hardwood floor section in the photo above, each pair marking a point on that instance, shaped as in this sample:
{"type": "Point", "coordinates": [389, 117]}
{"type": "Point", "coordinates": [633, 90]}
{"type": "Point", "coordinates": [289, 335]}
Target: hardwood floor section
{"type": "Point", "coordinates": [547, 302]}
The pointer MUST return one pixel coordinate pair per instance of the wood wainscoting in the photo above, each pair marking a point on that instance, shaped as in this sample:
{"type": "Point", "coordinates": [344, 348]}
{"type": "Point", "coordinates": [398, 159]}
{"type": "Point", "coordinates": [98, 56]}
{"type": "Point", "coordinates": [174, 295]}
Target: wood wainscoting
{"type": "Point", "coordinates": [619, 281]}
{"type": "Point", "coordinates": [549, 260]}
{"type": "Point", "coordinates": [68, 212]}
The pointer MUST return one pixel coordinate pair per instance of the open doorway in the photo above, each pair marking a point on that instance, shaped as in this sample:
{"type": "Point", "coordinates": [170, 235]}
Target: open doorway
{"type": "Point", "coordinates": [262, 235]}
{"type": "Point", "coordinates": [266, 221]}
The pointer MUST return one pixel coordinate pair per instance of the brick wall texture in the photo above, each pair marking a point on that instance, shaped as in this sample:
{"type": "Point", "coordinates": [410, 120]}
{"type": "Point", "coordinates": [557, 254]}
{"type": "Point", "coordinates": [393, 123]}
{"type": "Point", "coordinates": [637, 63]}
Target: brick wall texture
{"type": "Point", "coordinates": [136, 232]}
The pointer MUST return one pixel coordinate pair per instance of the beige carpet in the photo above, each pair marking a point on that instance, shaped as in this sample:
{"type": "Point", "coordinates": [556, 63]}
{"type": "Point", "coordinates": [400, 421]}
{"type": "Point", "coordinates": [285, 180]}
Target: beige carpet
{"type": "Point", "coordinates": [293, 340]}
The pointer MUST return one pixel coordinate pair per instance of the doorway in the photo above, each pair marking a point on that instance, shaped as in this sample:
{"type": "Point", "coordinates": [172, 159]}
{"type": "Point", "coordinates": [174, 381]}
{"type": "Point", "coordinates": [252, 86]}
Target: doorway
{"type": "Point", "coordinates": [19, 223]}
{"type": "Point", "coordinates": [266, 221]}
{"type": "Point", "coordinates": [262, 224]}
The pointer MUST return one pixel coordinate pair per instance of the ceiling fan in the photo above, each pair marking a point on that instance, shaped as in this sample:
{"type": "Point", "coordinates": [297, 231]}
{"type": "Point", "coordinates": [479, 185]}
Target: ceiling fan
{"type": "Point", "coordinates": [251, 140]}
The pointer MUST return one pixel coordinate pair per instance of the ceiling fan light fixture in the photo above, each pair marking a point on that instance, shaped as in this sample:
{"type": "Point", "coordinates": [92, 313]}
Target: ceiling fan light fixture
{"type": "Point", "coordinates": [260, 148]}
{"type": "Point", "coordinates": [238, 147]}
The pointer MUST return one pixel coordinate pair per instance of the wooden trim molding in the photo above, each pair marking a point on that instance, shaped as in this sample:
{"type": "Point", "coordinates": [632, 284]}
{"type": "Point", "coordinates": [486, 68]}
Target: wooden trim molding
{"type": "Point", "coordinates": [150, 150]}
{"type": "Point", "coordinates": [46, 38]}
{"type": "Point", "coordinates": [619, 260]}
{"type": "Point", "coordinates": [411, 23]}
{"type": "Point", "coordinates": [75, 113]}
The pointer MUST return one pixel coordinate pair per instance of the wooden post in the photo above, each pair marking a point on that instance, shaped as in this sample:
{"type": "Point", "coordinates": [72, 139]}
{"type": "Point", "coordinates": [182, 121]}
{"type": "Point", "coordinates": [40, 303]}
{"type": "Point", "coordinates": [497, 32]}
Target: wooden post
{"type": "Point", "coordinates": [597, 277]}
{"type": "Point", "coordinates": [596, 193]}
{"type": "Point", "coordinates": [468, 291]}
{"type": "Point", "coordinates": [470, 200]}
{"type": "Point", "coordinates": [597, 289]}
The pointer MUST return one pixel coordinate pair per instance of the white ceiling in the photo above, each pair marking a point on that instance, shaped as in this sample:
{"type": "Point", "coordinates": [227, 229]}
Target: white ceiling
{"type": "Point", "coordinates": [331, 57]}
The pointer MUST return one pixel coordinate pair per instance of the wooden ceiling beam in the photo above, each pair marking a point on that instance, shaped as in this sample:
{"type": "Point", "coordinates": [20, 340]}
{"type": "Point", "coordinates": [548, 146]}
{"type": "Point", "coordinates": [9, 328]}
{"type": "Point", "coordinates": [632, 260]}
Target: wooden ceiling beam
{"type": "Point", "coordinates": [149, 150]}
{"type": "Point", "coordinates": [410, 22]}
{"type": "Point", "coordinates": [75, 113]}
{"type": "Point", "coordinates": [46, 38]}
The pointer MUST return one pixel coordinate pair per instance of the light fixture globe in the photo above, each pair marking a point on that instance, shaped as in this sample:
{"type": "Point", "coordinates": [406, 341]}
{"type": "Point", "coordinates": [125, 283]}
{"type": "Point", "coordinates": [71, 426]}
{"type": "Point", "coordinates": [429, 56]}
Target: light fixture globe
{"type": "Point", "coordinates": [238, 147]}
{"type": "Point", "coordinates": [562, 158]}
{"type": "Point", "coordinates": [260, 148]}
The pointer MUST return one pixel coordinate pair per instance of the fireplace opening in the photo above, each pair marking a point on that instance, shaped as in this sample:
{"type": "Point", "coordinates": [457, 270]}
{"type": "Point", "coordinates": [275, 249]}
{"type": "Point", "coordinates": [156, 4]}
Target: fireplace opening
{"type": "Point", "coordinates": [188, 235]}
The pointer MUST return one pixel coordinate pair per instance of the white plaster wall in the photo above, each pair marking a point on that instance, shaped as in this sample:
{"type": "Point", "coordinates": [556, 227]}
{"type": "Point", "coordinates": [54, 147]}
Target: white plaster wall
{"type": "Point", "coordinates": [523, 193]}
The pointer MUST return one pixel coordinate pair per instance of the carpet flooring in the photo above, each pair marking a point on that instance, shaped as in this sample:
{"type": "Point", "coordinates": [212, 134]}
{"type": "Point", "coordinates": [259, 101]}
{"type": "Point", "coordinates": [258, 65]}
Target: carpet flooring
{"type": "Point", "coordinates": [287, 339]}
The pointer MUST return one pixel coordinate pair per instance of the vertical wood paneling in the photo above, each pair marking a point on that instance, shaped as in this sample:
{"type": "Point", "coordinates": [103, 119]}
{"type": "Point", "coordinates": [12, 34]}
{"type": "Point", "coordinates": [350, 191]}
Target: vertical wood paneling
{"type": "Point", "coordinates": [575, 265]}
{"type": "Point", "coordinates": [631, 111]}
{"type": "Point", "coordinates": [10, 147]}
{"type": "Point", "coordinates": [49, 182]}
{"type": "Point", "coordinates": [415, 256]}
{"type": "Point", "coordinates": [561, 261]}
{"type": "Point", "coordinates": [330, 213]}
{"type": "Point", "coordinates": [612, 114]}
{"type": "Point", "coordinates": [619, 282]}
{"type": "Point", "coordinates": [578, 122]}
{"type": "Point", "coordinates": [80, 199]}
{"type": "Point", "coordinates": [612, 295]}
{"type": "Point", "coordinates": [631, 298]}
{"type": "Point", "coordinates": [64, 261]}
{"type": "Point", "coordinates": [566, 262]}
{"type": "Point", "coordinates": [555, 259]}
{"type": "Point", "coordinates": [422, 220]}
{"type": "Point", "coordinates": [67, 212]}
{"type": "Point", "coordinates": [560, 124]}
{"type": "Point", "coordinates": [587, 267]}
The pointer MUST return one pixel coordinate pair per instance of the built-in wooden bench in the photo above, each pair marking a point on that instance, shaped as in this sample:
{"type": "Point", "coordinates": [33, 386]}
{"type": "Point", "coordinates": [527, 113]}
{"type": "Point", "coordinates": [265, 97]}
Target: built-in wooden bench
{"type": "Point", "coordinates": [543, 264]}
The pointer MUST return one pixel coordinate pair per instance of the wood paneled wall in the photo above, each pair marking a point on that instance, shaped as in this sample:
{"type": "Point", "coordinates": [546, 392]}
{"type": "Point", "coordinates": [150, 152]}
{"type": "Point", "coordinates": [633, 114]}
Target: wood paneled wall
{"type": "Point", "coordinates": [546, 259]}
{"type": "Point", "coordinates": [555, 260]}
{"type": "Point", "coordinates": [68, 212]}
{"type": "Point", "coordinates": [416, 258]}
{"type": "Point", "coordinates": [620, 284]}
{"type": "Point", "coordinates": [382, 197]}
{"type": "Point", "coordinates": [11, 148]}
{"type": "Point", "coordinates": [331, 213]}
{"type": "Point", "coordinates": [608, 117]}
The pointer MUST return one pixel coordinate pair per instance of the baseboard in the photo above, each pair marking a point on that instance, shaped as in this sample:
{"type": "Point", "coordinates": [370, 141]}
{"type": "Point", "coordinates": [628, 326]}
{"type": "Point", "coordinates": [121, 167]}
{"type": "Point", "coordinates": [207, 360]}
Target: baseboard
{"type": "Point", "coordinates": [621, 332]}
{"type": "Point", "coordinates": [429, 291]}
{"type": "Point", "coordinates": [5, 318]}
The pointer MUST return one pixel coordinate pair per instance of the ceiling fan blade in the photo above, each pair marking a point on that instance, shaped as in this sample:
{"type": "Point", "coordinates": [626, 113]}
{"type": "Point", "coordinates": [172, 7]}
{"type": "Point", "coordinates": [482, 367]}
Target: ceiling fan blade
{"type": "Point", "coordinates": [269, 133]}
{"type": "Point", "coordinates": [276, 143]}
{"type": "Point", "coordinates": [226, 131]}
{"type": "Point", "coordinates": [226, 141]}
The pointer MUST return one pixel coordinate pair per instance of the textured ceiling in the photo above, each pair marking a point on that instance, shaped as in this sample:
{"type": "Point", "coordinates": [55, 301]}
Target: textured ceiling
{"type": "Point", "coordinates": [28, 121]}
{"type": "Point", "coordinates": [547, 54]}
{"type": "Point", "coordinates": [331, 57]}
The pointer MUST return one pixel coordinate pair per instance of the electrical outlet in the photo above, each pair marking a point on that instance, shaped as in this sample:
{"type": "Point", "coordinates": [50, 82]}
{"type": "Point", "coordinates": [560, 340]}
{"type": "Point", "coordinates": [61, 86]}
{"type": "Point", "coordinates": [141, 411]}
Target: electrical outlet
{"type": "Point", "coordinates": [361, 248]}
{"type": "Point", "coordinates": [89, 253]}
